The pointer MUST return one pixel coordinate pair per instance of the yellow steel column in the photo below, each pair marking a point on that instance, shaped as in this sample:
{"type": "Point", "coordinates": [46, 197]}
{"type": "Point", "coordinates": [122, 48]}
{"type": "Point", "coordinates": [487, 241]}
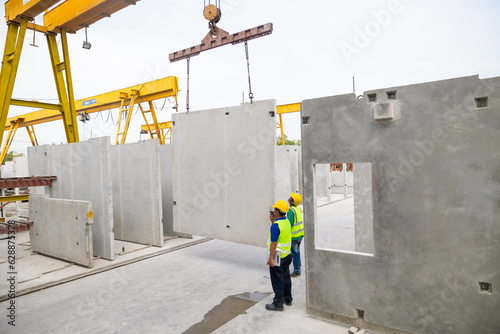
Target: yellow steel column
{"type": "Point", "coordinates": [10, 63]}
{"type": "Point", "coordinates": [31, 133]}
{"type": "Point", "coordinates": [282, 132]}
{"type": "Point", "coordinates": [69, 120]}
{"type": "Point", "coordinates": [129, 116]}
{"type": "Point", "coordinates": [69, 84]}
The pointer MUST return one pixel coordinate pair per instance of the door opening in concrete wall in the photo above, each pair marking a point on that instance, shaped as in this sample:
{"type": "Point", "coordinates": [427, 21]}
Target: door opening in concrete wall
{"type": "Point", "coordinates": [344, 209]}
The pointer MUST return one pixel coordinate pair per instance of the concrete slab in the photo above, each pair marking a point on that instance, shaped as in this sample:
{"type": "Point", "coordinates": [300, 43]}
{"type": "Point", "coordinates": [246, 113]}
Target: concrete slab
{"type": "Point", "coordinates": [83, 172]}
{"type": "Point", "coordinates": [283, 173]}
{"type": "Point", "coordinates": [223, 187]}
{"type": "Point", "coordinates": [167, 191]}
{"type": "Point", "coordinates": [436, 204]}
{"type": "Point", "coordinates": [62, 229]}
{"type": "Point", "coordinates": [363, 207]}
{"type": "Point", "coordinates": [137, 197]}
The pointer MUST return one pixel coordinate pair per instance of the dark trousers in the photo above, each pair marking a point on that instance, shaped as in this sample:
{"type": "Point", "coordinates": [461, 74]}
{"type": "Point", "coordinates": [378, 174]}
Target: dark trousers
{"type": "Point", "coordinates": [281, 282]}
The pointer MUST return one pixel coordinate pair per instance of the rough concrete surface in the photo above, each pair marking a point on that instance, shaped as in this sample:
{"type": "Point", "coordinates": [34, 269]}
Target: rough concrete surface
{"type": "Point", "coordinates": [224, 172]}
{"type": "Point", "coordinates": [436, 207]}
{"type": "Point", "coordinates": [62, 229]}
{"type": "Point", "coordinates": [83, 172]}
{"type": "Point", "coordinates": [137, 195]}
{"type": "Point", "coordinates": [363, 207]}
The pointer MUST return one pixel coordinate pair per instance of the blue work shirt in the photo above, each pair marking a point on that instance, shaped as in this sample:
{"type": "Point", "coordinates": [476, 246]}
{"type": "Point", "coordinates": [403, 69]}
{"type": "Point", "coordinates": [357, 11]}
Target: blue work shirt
{"type": "Point", "coordinates": [275, 230]}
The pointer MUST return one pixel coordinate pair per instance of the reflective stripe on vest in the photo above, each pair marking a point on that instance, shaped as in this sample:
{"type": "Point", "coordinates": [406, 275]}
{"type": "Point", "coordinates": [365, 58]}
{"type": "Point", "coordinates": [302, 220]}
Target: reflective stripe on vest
{"type": "Point", "coordinates": [298, 226]}
{"type": "Point", "coordinates": [284, 239]}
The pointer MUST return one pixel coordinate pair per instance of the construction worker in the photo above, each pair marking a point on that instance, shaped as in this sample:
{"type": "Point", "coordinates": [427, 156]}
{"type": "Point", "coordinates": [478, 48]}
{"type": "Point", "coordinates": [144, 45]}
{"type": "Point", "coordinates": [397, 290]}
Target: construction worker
{"type": "Point", "coordinates": [295, 217]}
{"type": "Point", "coordinates": [280, 240]}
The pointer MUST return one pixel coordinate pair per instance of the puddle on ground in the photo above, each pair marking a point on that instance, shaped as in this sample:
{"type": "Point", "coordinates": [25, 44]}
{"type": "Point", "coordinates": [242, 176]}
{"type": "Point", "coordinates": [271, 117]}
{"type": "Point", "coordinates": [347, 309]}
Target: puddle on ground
{"type": "Point", "coordinates": [228, 309]}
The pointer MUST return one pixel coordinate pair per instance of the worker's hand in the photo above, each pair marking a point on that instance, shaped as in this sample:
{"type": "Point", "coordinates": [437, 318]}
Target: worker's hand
{"type": "Point", "coordinates": [271, 217]}
{"type": "Point", "coordinates": [270, 263]}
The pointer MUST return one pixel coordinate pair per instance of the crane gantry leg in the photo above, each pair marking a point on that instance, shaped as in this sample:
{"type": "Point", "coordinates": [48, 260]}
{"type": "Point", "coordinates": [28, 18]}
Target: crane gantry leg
{"type": "Point", "coordinates": [10, 63]}
{"type": "Point", "coordinates": [64, 89]}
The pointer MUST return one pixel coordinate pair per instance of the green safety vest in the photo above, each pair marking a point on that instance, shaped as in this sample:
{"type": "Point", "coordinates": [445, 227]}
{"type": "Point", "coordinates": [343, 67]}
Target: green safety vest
{"type": "Point", "coordinates": [298, 227]}
{"type": "Point", "coordinates": [284, 239]}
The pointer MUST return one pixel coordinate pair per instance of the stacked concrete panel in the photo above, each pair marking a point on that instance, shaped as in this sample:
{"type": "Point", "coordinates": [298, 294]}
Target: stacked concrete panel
{"type": "Point", "coordinates": [62, 229]}
{"type": "Point", "coordinates": [224, 172]}
{"type": "Point", "coordinates": [83, 172]}
{"type": "Point", "coordinates": [137, 197]}
{"type": "Point", "coordinates": [166, 164]}
{"type": "Point", "coordinates": [433, 150]}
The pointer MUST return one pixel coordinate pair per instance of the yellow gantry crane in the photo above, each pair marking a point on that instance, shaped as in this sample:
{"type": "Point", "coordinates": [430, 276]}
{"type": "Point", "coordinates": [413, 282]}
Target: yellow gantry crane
{"type": "Point", "coordinates": [68, 17]}
{"type": "Point", "coordinates": [125, 98]}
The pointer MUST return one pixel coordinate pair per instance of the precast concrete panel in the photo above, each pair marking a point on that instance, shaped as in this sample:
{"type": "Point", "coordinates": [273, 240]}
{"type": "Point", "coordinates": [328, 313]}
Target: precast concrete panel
{"type": "Point", "coordinates": [62, 229]}
{"type": "Point", "coordinates": [363, 207]}
{"type": "Point", "coordinates": [223, 174]}
{"type": "Point", "coordinates": [434, 157]}
{"type": "Point", "coordinates": [167, 191]}
{"type": "Point", "coordinates": [137, 201]}
{"type": "Point", "coordinates": [83, 172]}
{"type": "Point", "coordinates": [293, 158]}
{"type": "Point", "coordinates": [283, 175]}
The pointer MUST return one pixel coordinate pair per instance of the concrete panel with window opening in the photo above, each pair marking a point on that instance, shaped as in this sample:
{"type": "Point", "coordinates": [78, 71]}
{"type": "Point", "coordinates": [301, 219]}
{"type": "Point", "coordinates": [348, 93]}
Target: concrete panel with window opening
{"type": "Point", "coordinates": [435, 198]}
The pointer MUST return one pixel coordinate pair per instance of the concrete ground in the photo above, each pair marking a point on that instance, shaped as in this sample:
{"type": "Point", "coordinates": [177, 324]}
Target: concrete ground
{"type": "Point", "coordinates": [166, 294]}
{"type": "Point", "coordinates": [188, 286]}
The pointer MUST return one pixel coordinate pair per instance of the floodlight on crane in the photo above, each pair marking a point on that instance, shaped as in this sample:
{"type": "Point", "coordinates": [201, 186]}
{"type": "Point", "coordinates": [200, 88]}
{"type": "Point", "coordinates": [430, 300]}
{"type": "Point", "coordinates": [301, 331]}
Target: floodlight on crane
{"type": "Point", "coordinates": [86, 44]}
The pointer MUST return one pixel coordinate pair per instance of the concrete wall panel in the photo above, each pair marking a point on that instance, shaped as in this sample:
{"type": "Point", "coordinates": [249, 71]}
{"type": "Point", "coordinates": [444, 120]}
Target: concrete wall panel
{"type": "Point", "coordinates": [83, 172]}
{"type": "Point", "coordinates": [167, 191]}
{"type": "Point", "coordinates": [137, 198]}
{"type": "Point", "coordinates": [436, 207]}
{"type": "Point", "coordinates": [224, 172]}
{"type": "Point", "coordinates": [62, 229]}
{"type": "Point", "coordinates": [283, 177]}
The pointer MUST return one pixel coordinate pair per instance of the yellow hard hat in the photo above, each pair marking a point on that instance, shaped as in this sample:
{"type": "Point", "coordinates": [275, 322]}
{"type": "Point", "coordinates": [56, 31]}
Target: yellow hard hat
{"type": "Point", "coordinates": [282, 206]}
{"type": "Point", "coordinates": [297, 199]}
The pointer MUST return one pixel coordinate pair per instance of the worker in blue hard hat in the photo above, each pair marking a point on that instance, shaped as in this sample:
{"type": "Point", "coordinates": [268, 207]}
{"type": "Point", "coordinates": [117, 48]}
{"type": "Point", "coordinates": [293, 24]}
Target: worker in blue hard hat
{"type": "Point", "coordinates": [295, 217]}
{"type": "Point", "coordinates": [280, 241]}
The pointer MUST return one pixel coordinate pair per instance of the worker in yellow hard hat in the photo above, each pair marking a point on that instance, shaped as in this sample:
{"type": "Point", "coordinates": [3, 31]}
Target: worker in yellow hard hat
{"type": "Point", "coordinates": [279, 243]}
{"type": "Point", "coordinates": [295, 217]}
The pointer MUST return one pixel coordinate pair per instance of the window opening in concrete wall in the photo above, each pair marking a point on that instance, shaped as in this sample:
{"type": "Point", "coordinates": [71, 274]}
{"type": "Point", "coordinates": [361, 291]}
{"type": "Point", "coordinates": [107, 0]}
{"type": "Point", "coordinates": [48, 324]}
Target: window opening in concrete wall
{"type": "Point", "coordinates": [485, 287]}
{"type": "Point", "coordinates": [481, 102]}
{"type": "Point", "coordinates": [344, 209]}
{"type": "Point", "coordinates": [391, 95]}
{"type": "Point", "coordinates": [372, 97]}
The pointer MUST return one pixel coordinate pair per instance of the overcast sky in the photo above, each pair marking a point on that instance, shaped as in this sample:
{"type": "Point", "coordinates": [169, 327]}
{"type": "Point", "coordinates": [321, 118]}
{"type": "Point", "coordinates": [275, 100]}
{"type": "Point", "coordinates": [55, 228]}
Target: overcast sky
{"type": "Point", "coordinates": [315, 50]}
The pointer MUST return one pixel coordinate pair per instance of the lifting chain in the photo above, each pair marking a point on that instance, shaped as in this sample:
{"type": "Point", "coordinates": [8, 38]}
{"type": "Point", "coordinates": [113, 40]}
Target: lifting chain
{"type": "Point", "coordinates": [250, 94]}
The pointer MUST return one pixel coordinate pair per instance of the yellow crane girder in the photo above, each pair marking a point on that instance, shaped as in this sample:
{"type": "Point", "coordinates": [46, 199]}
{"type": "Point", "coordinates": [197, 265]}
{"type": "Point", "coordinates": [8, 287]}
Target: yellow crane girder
{"type": "Point", "coordinates": [74, 15]}
{"type": "Point", "coordinates": [149, 91]}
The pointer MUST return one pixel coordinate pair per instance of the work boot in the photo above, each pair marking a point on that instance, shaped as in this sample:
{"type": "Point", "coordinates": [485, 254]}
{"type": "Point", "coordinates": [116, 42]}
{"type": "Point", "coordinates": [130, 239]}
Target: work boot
{"type": "Point", "coordinates": [288, 303]}
{"type": "Point", "coordinates": [294, 274]}
{"type": "Point", "coordinates": [272, 307]}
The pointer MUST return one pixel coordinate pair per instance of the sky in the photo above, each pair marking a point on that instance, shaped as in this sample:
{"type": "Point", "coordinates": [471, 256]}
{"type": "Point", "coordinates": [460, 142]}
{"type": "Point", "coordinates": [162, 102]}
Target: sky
{"type": "Point", "coordinates": [314, 51]}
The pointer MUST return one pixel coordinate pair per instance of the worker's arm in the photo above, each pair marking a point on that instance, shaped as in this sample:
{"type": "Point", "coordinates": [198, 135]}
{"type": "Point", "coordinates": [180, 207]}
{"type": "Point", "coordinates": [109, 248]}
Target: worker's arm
{"type": "Point", "coordinates": [272, 251]}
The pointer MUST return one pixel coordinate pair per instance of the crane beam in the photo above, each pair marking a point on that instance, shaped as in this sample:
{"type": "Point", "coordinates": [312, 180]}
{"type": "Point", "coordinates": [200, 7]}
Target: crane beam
{"type": "Point", "coordinates": [74, 15]}
{"type": "Point", "coordinates": [153, 90]}
{"type": "Point", "coordinates": [208, 44]}
{"type": "Point", "coordinates": [16, 9]}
